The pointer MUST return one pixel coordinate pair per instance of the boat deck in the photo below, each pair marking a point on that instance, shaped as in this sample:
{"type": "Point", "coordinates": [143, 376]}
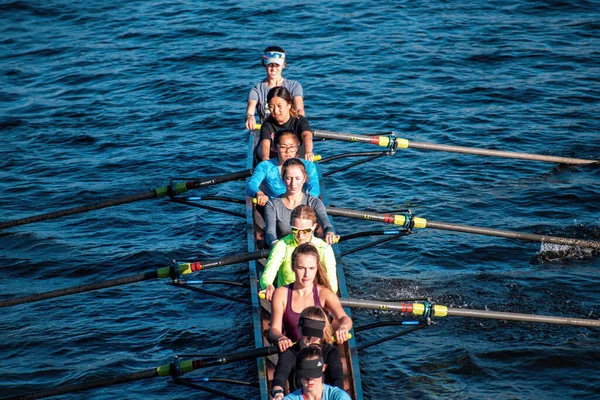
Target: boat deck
{"type": "Point", "coordinates": [261, 309]}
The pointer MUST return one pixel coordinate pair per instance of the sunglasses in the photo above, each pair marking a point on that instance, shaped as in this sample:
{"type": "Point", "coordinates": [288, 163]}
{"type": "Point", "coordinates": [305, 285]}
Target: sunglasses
{"type": "Point", "coordinates": [295, 230]}
{"type": "Point", "coordinates": [273, 54]}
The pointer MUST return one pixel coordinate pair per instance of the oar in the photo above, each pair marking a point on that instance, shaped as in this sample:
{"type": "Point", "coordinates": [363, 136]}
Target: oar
{"type": "Point", "coordinates": [174, 271]}
{"type": "Point", "coordinates": [159, 192]}
{"type": "Point", "coordinates": [427, 309]}
{"type": "Point", "coordinates": [407, 220]}
{"type": "Point", "coordinates": [386, 140]}
{"type": "Point", "coordinates": [174, 369]}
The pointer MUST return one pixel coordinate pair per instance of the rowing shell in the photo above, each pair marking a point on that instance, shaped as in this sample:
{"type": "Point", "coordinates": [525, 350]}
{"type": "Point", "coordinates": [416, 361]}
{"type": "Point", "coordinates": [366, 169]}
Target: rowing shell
{"type": "Point", "coordinates": [261, 308]}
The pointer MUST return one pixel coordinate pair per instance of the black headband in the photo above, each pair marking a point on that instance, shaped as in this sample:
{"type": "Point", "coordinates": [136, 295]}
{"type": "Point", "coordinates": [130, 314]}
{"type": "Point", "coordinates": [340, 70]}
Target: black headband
{"type": "Point", "coordinates": [312, 327]}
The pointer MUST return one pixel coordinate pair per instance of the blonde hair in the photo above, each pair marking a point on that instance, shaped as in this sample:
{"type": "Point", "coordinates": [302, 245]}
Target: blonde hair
{"type": "Point", "coordinates": [318, 314]}
{"type": "Point", "coordinates": [304, 212]}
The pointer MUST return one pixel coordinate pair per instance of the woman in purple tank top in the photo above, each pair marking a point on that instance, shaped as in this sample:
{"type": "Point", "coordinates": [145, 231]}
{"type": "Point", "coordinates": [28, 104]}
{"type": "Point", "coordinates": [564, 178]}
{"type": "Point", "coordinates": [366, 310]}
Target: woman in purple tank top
{"type": "Point", "coordinates": [310, 289]}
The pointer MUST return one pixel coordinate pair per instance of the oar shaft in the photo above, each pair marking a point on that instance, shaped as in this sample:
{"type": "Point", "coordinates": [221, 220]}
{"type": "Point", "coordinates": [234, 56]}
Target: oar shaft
{"type": "Point", "coordinates": [149, 373]}
{"type": "Point", "coordinates": [158, 192]}
{"type": "Point", "coordinates": [404, 143]}
{"type": "Point", "coordinates": [498, 153]}
{"type": "Point", "coordinates": [165, 272]}
{"type": "Point", "coordinates": [513, 235]}
{"type": "Point", "coordinates": [460, 312]}
{"type": "Point", "coordinates": [79, 289]}
{"type": "Point", "coordinates": [423, 223]}
{"type": "Point", "coordinates": [442, 311]}
{"type": "Point", "coordinates": [78, 210]}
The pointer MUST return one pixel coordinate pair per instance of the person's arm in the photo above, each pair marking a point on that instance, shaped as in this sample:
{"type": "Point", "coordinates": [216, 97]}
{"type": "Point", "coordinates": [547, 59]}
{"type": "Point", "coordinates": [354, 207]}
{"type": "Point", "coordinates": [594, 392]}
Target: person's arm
{"type": "Point", "coordinates": [297, 96]}
{"type": "Point", "coordinates": [274, 262]}
{"type": "Point", "coordinates": [307, 137]}
{"type": "Point", "coordinates": [321, 212]}
{"type": "Point", "coordinates": [335, 370]}
{"type": "Point", "coordinates": [312, 183]}
{"type": "Point", "coordinates": [308, 145]}
{"type": "Point", "coordinates": [257, 178]}
{"type": "Point", "coordinates": [298, 103]}
{"type": "Point", "coordinates": [277, 309]}
{"type": "Point", "coordinates": [286, 361]}
{"type": "Point", "coordinates": [264, 147]}
{"type": "Point", "coordinates": [270, 222]}
{"type": "Point", "coordinates": [264, 150]}
{"type": "Point", "coordinates": [250, 110]}
{"type": "Point", "coordinates": [328, 258]}
{"type": "Point", "coordinates": [342, 322]}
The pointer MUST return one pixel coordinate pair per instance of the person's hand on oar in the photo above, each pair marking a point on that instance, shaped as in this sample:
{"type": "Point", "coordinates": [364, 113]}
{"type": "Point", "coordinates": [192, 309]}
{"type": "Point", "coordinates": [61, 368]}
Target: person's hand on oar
{"type": "Point", "coordinates": [341, 335]}
{"type": "Point", "coordinates": [284, 343]}
{"type": "Point", "coordinates": [269, 290]}
{"type": "Point", "coordinates": [331, 238]}
{"type": "Point", "coordinates": [261, 198]}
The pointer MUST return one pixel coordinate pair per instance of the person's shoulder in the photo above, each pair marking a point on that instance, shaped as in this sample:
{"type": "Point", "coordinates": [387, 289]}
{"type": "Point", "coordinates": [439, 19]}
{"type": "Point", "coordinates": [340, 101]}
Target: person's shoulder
{"type": "Point", "coordinates": [334, 393]}
{"type": "Point", "coordinates": [319, 243]}
{"type": "Point", "coordinates": [308, 163]}
{"type": "Point", "coordinates": [275, 202]}
{"type": "Point", "coordinates": [327, 348]}
{"type": "Point", "coordinates": [297, 395]}
{"type": "Point", "coordinates": [263, 164]}
{"type": "Point", "coordinates": [313, 200]}
{"type": "Point", "coordinates": [268, 123]}
{"type": "Point", "coordinates": [290, 83]}
{"type": "Point", "coordinates": [280, 295]}
{"type": "Point", "coordinates": [288, 240]}
{"type": "Point", "coordinates": [279, 246]}
{"type": "Point", "coordinates": [325, 293]}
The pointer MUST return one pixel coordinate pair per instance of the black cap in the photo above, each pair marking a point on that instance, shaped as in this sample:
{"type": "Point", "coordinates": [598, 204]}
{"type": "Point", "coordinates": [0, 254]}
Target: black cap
{"type": "Point", "coordinates": [310, 368]}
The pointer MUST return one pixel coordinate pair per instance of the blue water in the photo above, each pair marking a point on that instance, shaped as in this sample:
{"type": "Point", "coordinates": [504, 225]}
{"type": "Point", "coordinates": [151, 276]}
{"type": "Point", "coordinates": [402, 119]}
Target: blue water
{"type": "Point", "coordinates": [104, 99]}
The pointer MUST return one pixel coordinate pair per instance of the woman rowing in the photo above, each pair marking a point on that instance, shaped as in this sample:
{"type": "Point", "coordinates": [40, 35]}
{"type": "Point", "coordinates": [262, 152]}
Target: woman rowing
{"type": "Point", "coordinates": [273, 59]}
{"type": "Point", "coordinates": [278, 210]}
{"type": "Point", "coordinates": [315, 330]}
{"type": "Point", "coordinates": [311, 288]}
{"type": "Point", "coordinates": [303, 221]}
{"type": "Point", "coordinates": [267, 174]}
{"type": "Point", "coordinates": [283, 117]}
{"type": "Point", "coordinates": [309, 367]}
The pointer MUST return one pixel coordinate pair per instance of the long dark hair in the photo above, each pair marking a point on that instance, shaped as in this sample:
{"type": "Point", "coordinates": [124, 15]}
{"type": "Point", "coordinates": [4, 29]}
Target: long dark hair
{"type": "Point", "coordinates": [283, 93]}
{"type": "Point", "coordinates": [285, 132]}
{"type": "Point", "coordinates": [308, 249]}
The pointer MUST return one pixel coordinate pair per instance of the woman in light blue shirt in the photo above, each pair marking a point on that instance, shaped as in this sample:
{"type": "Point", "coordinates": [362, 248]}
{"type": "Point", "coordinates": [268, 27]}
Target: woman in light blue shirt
{"type": "Point", "coordinates": [266, 181]}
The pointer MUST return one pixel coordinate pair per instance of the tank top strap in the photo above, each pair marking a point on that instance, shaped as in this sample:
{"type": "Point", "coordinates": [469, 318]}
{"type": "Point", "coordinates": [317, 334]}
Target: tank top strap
{"type": "Point", "coordinates": [290, 287]}
{"type": "Point", "coordinates": [316, 296]}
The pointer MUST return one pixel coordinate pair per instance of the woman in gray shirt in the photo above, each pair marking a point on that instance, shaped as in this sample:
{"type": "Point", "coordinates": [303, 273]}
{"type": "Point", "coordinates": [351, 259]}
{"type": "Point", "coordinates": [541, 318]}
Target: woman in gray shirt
{"type": "Point", "coordinates": [278, 210]}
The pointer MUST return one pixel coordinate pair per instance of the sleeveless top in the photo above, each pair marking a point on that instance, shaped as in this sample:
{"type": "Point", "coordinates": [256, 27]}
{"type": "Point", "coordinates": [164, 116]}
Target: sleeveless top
{"type": "Point", "coordinates": [291, 318]}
